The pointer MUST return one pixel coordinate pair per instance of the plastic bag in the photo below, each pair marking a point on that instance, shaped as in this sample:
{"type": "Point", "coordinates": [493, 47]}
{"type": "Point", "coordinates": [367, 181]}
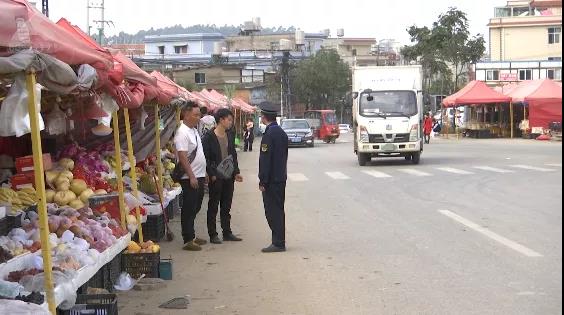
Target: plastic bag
{"type": "Point", "coordinates": [126, 282]}
{"type": "Point", "coordinates": [143, 117]}
{"type": "Point", "coordinates": [10, 289]}
{"type": "Point", "coordinates": [14, 116]}
{"type": "Point", "coordinates": [86, 77]}
{"type": "Point", "coordinates": [56, 121]}
{"type": "Point", "coordinates": [22, 308]}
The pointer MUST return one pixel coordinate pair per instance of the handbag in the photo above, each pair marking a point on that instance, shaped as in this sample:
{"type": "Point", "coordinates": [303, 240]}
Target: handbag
{"type": "Point", "coordinates": [178, 171]}
{"type": "Point", "coordinates": [226, 168]}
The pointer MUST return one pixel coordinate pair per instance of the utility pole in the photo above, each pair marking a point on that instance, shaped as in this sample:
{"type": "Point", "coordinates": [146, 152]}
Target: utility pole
{"type": "Point", "coordinates": [284, 82]}
{"type": "Point", "coordinates": [45, 7]}
{"type": "Point", "coordinates": [101, 23]}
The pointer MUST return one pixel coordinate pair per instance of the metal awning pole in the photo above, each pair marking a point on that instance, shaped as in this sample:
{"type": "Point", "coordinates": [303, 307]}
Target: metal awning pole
{"type": "Point", "coordinates": [132, 170]}
{"type": "Point", "coordinates": [158, 150]}
{"type": "Point", "coordinates": [40, 191]}
{"type": "Point", "coordinates": [119, 171]}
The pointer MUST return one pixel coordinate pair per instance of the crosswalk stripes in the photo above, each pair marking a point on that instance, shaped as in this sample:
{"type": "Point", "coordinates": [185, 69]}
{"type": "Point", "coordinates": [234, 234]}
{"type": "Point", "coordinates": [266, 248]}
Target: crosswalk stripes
{"type": "Point", "coordinates": [493, 169]}
{"type": "Point", "coordinates": [414, 172]}
{"type": "Point", "coordinates": [297, 177]}
{"type": "Point", "coordinates": [532, 168]}
{"type": "Point", "coordinates": [377, 174]}
{"type": "Point", "coordinates": [454, 170]}
{"type": "Point", "coordinates": [337, 175]}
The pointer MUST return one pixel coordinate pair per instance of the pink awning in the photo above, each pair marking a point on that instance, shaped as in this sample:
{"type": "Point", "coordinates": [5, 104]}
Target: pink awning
{"type": "Point", "coordinates": [22, 25]}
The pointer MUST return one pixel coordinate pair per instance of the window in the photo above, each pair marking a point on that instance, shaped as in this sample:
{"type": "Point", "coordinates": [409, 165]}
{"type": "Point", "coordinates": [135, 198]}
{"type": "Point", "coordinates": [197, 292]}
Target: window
{"type": "Point", "coordinates": [492, 75]}
{"type": "Point", "coordinates": [181, 49]}
{"type": "Point", "coordinates": [161, 50]}
{"type": "Point", "coordinates": [554, 58]}
{"type": "Point", "coordinates": [521, 11]}
{"type": "Point", "coordinates": [200, 78]}
{"type": "Point", "coordinates": [502, 12]}
{"type": "Point", "coordinates": [554, 35]}
{"type": "Point", "coordinates": [554, 74]}
{"type": "Point", "coordinates": [526, 74]}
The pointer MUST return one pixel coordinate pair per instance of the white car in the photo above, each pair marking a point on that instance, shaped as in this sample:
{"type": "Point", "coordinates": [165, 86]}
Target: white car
{"type": "Point", "coordinates": [344, 128]}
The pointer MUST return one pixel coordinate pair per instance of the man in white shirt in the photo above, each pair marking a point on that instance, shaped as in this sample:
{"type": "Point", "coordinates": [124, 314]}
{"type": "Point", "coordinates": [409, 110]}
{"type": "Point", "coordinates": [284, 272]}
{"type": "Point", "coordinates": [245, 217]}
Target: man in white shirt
{"type": "Point", "coordinates": [191, 156]}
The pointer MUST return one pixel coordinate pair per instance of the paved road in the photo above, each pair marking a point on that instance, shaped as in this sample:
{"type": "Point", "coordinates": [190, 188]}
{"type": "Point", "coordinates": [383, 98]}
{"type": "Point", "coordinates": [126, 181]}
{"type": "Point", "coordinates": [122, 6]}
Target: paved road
{"type": "Point", "coordinates": [476, 228]}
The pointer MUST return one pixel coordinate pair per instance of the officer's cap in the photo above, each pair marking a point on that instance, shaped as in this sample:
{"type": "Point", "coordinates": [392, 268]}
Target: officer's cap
{"type": "Point", "coordinates": [269, 108]}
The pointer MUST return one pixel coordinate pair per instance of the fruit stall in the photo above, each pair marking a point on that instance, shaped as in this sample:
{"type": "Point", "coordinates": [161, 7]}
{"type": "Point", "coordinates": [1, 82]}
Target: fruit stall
{"type": "Point", "coordinates": [71, 198]}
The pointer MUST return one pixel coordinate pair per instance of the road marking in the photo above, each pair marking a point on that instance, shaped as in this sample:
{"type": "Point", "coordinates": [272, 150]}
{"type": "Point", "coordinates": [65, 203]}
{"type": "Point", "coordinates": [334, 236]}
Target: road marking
{"type": "Point", "coordinates": [533, 168]}
{"type": "Point", "coordinates": [414, 172]}
{"type": "Point", "coordinates": [377, 174]}
{"type": "Point", "coordinates": [337, 175]}
{"type": "Point", "coordinates": [493, 169]}
{"type": "Point", "coordinates": [297, 177]}
{"type": "Point", "coordinates": [554, 165]}
{"type": "Point", "coordinates": [494, 236]}
{"type": "Point", "coordinates": [454, 171]}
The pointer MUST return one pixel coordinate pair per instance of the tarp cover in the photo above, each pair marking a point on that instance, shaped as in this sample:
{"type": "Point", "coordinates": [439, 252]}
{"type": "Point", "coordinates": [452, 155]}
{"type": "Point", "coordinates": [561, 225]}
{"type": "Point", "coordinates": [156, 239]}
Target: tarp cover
{"type": "Point", "coordinates": [23, 26]}
{"type": "Point", "coordinates": [475, 92]}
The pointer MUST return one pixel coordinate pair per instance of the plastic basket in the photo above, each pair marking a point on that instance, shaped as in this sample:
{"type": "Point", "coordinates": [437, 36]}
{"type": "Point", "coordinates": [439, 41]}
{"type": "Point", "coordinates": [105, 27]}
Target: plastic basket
{"type": "Point", "coordinates": [4, 226]}
{"type": "Point", "coordinates": [138, 264]}
{"type": "Point", "coordinates": [98, 304]}
{"type": "Point", "coordinates": [112, 271]}
{"type": "Point", "coordinates": [154, 228]}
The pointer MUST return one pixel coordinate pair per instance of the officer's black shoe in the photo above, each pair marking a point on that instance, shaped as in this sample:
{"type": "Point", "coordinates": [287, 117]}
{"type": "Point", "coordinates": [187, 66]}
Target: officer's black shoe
{"type": "Point", "coordinates": [231, 238]}
{"type": "Point", "coordinates": [273, 249]}
{"type": "Point", "coordinates": [215, 240]}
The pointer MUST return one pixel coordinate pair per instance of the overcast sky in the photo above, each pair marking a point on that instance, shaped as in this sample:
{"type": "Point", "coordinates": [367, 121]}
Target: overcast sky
{"type": "Point", "coordinates": [360, 18]}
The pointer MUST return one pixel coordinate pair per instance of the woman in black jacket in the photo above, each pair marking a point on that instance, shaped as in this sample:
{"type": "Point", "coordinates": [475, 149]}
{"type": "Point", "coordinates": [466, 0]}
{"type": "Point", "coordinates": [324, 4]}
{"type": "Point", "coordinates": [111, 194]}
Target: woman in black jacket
{"type": "Point", "coordinates": [219, 144]}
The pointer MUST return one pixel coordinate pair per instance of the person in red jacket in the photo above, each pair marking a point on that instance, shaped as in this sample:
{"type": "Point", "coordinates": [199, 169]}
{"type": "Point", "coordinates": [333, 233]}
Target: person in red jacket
{"type": "Point", "coordinates": [427, 127]}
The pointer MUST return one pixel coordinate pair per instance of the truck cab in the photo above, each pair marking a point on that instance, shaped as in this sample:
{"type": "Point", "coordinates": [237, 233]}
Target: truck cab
{"type": "Point", "coordinates": [387, 113]}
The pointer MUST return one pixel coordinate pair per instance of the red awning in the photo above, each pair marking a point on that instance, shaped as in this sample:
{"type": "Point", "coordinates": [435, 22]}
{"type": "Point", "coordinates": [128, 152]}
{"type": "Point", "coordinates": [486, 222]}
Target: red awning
{"type": "Point", "coordinates": [22, 25]}
{"type": "Point", "coordinates": [475, 92]}
{"type": "Point", "coordinates": [545, 104]}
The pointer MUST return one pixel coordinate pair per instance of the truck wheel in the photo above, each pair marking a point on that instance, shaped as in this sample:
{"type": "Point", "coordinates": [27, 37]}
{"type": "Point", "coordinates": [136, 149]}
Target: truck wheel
{"type": "Point", "coordinates": [416, 158]}
{"type": "Point", "coordinates": [363, 159]}
{"type": "Point", "coordinates": [408, 157]}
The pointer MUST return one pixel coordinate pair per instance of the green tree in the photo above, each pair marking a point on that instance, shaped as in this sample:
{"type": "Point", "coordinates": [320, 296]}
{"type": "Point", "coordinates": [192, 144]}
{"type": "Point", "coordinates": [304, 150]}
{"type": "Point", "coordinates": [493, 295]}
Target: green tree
{"type": "Point", "coordinates": [447, 44]}
{"type": "Point", "coordinates": [322, 81]}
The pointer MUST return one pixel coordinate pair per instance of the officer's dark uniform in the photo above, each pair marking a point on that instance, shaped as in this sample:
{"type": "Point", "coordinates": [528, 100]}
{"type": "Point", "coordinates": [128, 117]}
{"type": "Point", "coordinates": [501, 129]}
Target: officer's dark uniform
{"type": "Point", "coordinates": [272, 176]}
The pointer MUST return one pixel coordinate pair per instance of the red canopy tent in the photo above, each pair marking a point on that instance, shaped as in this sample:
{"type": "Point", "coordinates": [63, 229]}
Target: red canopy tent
{"type": "Point", "coordinates": [545, 104]}
{"type": "Point", "coordinates": [32, 29]}
{"type": "Point", "coordinates": [475, 92]}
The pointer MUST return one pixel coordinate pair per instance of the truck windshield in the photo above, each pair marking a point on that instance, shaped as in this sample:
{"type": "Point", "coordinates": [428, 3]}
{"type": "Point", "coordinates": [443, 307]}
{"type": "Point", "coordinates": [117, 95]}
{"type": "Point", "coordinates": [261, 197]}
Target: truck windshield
{"type": "Point", "coordinates": [388, 103]}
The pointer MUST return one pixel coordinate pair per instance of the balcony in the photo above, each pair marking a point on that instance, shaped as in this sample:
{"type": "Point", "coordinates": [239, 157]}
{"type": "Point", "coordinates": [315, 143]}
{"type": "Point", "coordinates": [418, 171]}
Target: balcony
{"type": "Point", "coordinates": [525, 20]}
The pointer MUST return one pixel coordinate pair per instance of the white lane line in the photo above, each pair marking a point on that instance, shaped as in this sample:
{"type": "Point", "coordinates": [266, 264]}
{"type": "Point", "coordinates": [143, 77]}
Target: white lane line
{"type": "Point", "coordinates": [493, 169]}
{"type": "Point", "coordinates": [454, 171]}
{"type": "Point", "coordinates": [337, 175]}
{"type": "Point", "coordinates": [554, 164]}
{"type": "Point", "coordinates": [532, 168]}
{"type": "Point", "coordinates": [297, 177]}
{"type": "Point", "coordinates": [377, 174]}
{"type": "Point", "coordinates": [414, 172]}
{"type": "Point", "coordinates": [494, 236]}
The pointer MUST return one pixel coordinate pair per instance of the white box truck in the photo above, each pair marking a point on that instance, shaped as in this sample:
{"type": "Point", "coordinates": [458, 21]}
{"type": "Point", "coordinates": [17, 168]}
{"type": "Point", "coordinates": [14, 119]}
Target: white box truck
{"type": "Point", "coordinates": [388, 112]}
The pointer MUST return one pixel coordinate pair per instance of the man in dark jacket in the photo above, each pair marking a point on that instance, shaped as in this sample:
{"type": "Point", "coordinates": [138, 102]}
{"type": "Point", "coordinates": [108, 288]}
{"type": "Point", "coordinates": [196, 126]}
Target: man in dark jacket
{"type": "Point", "coordinates": [219, 144]}
{"type": "Point", "coordinates": [272, 176]}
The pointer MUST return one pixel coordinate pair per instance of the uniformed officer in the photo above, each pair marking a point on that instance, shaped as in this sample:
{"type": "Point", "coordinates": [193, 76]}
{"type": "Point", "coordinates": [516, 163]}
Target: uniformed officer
{"type": "Point", "coordinates": [272, 176]}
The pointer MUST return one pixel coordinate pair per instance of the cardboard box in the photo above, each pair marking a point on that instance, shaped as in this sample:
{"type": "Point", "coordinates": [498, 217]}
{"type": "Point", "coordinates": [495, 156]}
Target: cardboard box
{"type": "Point", "coordinates": [20, 181]}
{"type": "Point", "coordinates": [106, 203]}
{"type": "Point", "coordinates": [25, 164]}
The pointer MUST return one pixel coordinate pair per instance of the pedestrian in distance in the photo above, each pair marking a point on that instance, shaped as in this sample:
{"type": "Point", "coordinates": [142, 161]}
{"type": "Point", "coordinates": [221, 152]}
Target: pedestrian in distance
{"type": "Point", "coordinates": [273, 175]}
{"type": "Point", "coordinates": [427, 128]}
{"type": "Point", "coordinates": [249, 136]}
{"type": "Point", "coordinates": [207, 122]}
{"type": "Point", "coordinates": [223, 172]}
{"type": "Point", "coordinates": [193, 161]}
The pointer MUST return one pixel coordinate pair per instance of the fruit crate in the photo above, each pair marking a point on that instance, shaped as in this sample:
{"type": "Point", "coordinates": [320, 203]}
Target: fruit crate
{"type": "Point", "coordinates": [112, 271]}
{"type": "Point", "coordinates": [138, 264]}
{"type": "Point", "coordinates": [4, 226]}
{"type": "Point", "coordinates": [99, 304]}
{"type": "Point", "coordinates": [172, 208]}
{"type": "Point", "coordinates": [97, 282]}
{"type": "Point", "coordinates": [154, 228]}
